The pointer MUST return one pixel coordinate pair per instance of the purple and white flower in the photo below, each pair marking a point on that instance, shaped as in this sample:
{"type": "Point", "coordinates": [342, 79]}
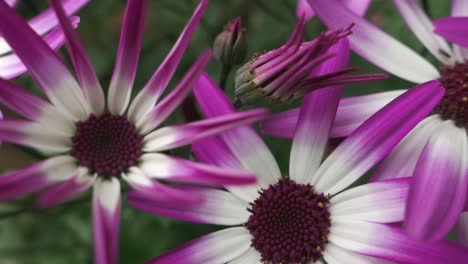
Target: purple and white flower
{"type": "Point", "coordinates": [308, 216]}
{"type": "Point", "coordinates": [92, 144]}
{"type": "Point", "coordinates": [436, 151]}
{"type": "Point", "coordinates": [44, 24]}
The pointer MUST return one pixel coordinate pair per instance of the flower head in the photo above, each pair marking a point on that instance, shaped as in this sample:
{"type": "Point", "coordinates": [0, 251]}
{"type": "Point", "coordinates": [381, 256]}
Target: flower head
{"type": "Point", "coordinates": [44, 24]}
{"type": "Point", "coordinates": [309, 215]}
{"type": "Point", "coordinates": [286, 73]}
{"type": "Point", "coordinates": [436, 151]}
{"type": "Point", "coordinates": [97, 144]}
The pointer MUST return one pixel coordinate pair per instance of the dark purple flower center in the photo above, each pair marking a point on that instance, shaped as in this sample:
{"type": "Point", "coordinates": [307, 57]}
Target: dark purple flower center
{"type": "Point", "coordinates": [107, 144]}
{"type": "Point", "coordinates": [454, 105]}
{"type": "Point", "coordinates": [289, 223]}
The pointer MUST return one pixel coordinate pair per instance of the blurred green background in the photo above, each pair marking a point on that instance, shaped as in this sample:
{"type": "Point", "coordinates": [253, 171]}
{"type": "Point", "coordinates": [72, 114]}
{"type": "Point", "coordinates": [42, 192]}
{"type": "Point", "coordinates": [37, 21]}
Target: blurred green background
{"type": "Point", "coordinates": [63, 234]}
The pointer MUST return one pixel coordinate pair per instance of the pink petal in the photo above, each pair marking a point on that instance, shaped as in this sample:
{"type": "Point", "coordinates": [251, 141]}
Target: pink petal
{"type": "Point", "coordinates": [376, 137]}
{"type": "Point", "coordinates": [128, 54]}
{"type": "Point", "coordinates": [160, 166]}
{"type": "Point", "coordinates": [245, 144]}
{"type": "Point", "coordinates": [402, 160]}
{"type": "Point", "coordinates": [440, 183]}
{"type": "Point", "coordinates": [66, 191]}
{"type": "Point", "coordinates": [422, 27]}
{"type": "Point", "coordinates": [11, 66]}
{"type": "Point", "coordinates": [175, 136]}
{"type": "Point", "coordinates": [454, 29]}
{"type": "Point", "coordinates": [106, 220]}
{"type": "Point", "coordinates": [381, 202]}
{"type": "Point", "coordinates": [382, 241]}
{"type": "Point", "coordinates": [315, 120]}
{"type": "Point", "coordinates": [36, 177]}
{"type": "Point", "coordinates": [374, 45]}
{"type": "Point", "coordinates": [150, 94]}
{"type": "Point", "coordinates": [352, 112]}
{"type": "Point", "coordinates": [218, 247]}
{"type": "Point", "coordinates": [168, 105]}
{"type": "Point", "coordinates": [84, 69]}
{"type": "Point", "coordinates": [216, 207]}
{"type": "Point", "coordinates": [61, 87]}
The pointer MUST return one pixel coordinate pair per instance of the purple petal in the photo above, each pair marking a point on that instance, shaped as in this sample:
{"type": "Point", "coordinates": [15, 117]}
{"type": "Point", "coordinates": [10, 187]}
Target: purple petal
{"type": "Point", "coordinates": [303, 10]}
{"type": "Point", "coordinates": [175, 136]}
{"type": "Point", "coordinates": [462, 229]}
{"type": "Point", "coordinates": [160, 166]}
{"type": "Point", "coordinates": [402, 160]}
{"type": "Point", "coordinates": [21, 101]}
{"type": "Point", "coordinates": [315, 120]}
{"type": "Point", "coordinates": [381, 202]}
{"type": "Point", "coordinates": [391, 243]}
{"type": "Point", "coordinates": [352, 112]}
{"type": "Point", "coordinates": [216, 207]}
{"type": "Point", "coordinates": [218, 247]}
{"type": "Point", "coordinates": [36, 177]}
{"type": "Point", "coordinates": [66, 191]}
{"type": "Point", "coordinates": [61, 87]}
{"type": "Point", "coordinates": [47, 20]}
{"type": "Point", "coordinates": [440, 182]}
{"type": "Point", "coordinates": [334, 254]}
{"type": "Point", "coordinates": [150, 94]}
{"type": "Point", "coordinates": [244, 142]}
{"type": "Point", "coordinates": [422, 27]}
{"type": "Point", "coordinates": [128, 54]}
{"type": "Point", "coordinates": [168, 105]}
{"type": "Point", "coordinates": [359, 7]}
{"type": "Point", "coordinates": [460, 9]}
{"type": "Point", "coordinates": [106, 220]}
{"type": "Point", "coordinates": [157, 192]}
{"type": "Point", "coordinates": [33, 135]}
{"type": "Point", "coordinates": [84, 69]}
{"type": "Point", "coordinates": [454, 29]}
{"type": "Point", "coordinates": [11, 66]}
{"type": "Point", "coordinates": [374, 45]}
{"type": "Point", "coordinates": [368, 144]}
{"type": "Point", "coordinates": [214, 151]}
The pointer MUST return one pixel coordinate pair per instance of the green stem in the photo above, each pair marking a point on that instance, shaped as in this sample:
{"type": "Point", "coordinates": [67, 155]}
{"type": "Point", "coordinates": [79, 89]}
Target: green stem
{"type": "Point", "coordinates": [225, 70]}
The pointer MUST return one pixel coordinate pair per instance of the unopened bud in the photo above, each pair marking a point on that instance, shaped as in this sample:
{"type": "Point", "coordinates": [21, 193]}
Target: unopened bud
{"type": "Point", "coordinates": [230, 46]}
{"type": "Point", "coordinates": [285, 74]}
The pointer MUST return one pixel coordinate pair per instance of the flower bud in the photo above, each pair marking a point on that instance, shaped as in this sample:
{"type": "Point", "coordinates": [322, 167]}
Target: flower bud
{"type": "Point", "coordinates": [286, 73]}
{"type": "Point", "coordinates": [230, 46]}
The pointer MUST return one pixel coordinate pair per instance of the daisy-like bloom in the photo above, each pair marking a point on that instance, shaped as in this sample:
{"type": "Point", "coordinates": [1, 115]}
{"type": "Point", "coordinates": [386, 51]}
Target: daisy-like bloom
{"type": "Point", "coordinates": [436, 151]}
{"type": "Point", "coordinates": [284, 74]}
{"type": "Point", "coordinates": [308, 216]}
{"type": "Point", "coordinates": [44, 24]}
{"type": "Point", "coordinates": [97, 145]}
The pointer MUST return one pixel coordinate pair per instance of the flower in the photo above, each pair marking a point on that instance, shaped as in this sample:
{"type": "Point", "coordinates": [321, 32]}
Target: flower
{"type": "Point", "coordinates": [97, 145]}
{"type": "Point", "coordinates": [453, 29]}
{"type": "Point", "coordinates": [44, 24]}
{"type": "Point", "coordinates": [287, 73]}
{"type": "Point", "coordinates": [436, 151]}
{"type": "Point", "coordinates": [309, 215]}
